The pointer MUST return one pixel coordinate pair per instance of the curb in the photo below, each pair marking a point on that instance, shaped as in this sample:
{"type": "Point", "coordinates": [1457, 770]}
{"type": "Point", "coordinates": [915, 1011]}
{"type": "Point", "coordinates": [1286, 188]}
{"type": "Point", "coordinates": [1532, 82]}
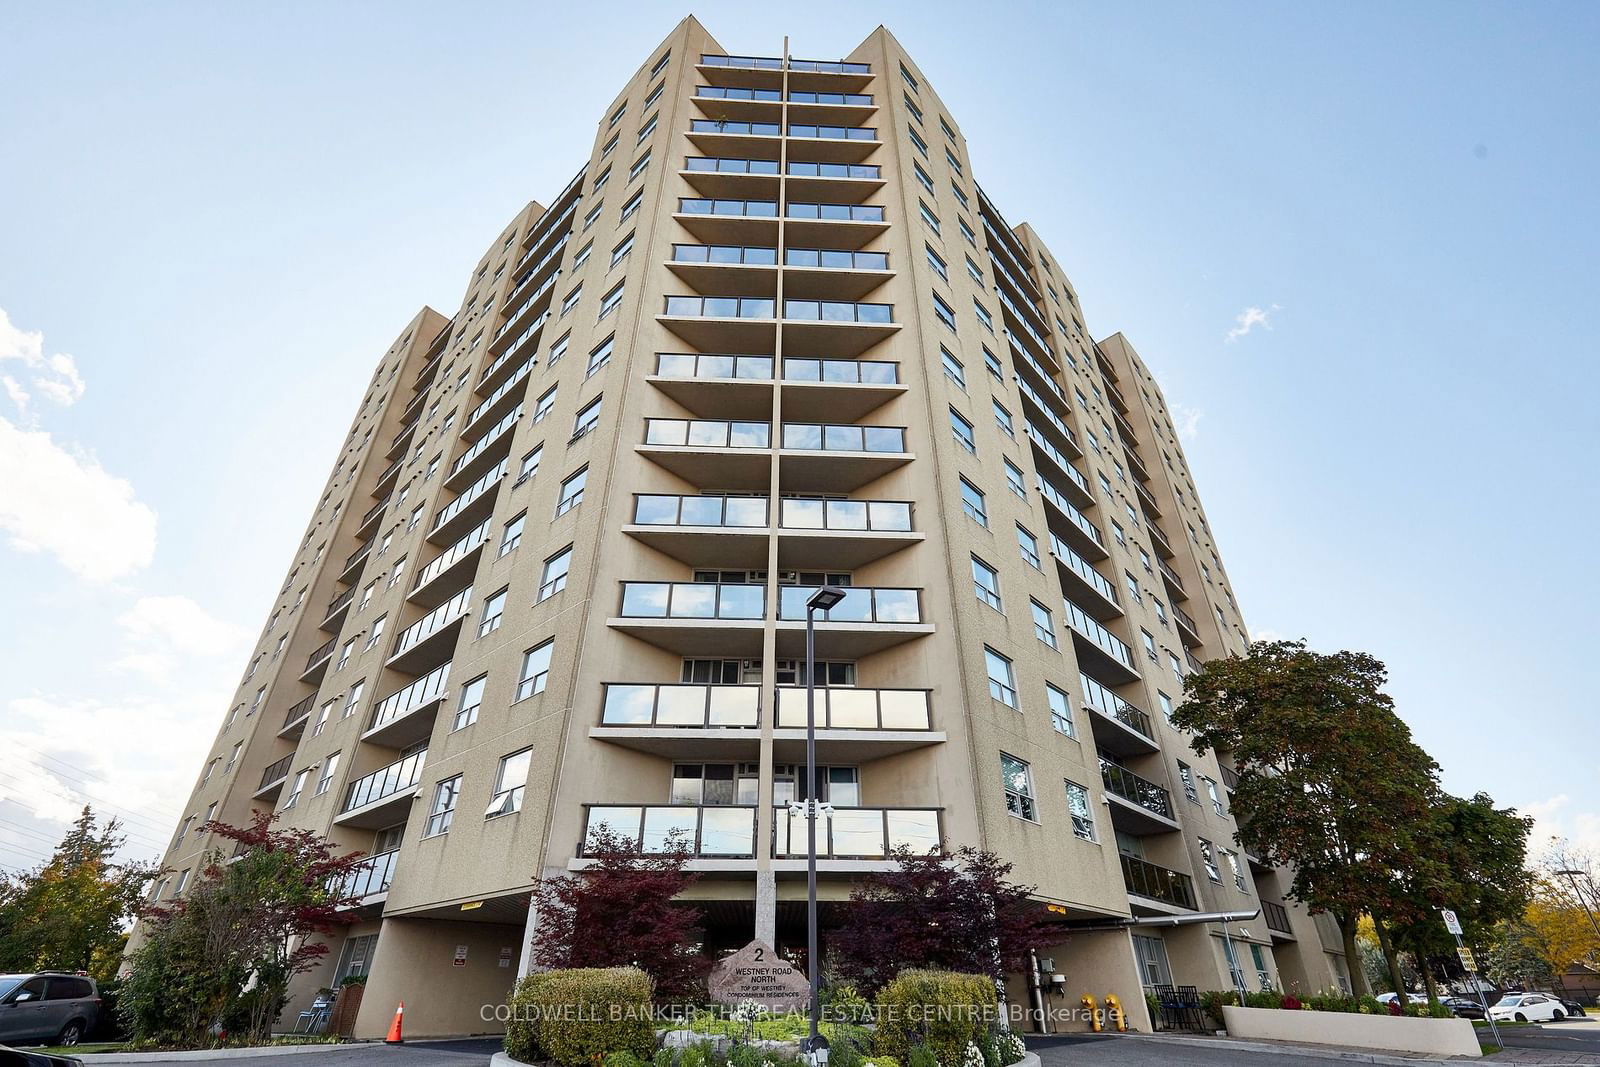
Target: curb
{"type": "Point", "coordinates": [503, 1059]}
{"type": "Point", "coordinates": [1319, 1051]}
{"type": "Point", "coordinates": [262, 1050]}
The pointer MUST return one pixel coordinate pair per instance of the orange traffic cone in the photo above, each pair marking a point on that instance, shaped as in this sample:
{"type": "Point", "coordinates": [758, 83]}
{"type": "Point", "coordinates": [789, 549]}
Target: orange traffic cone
{"type": "Point", "coordinates": [394, 1037]}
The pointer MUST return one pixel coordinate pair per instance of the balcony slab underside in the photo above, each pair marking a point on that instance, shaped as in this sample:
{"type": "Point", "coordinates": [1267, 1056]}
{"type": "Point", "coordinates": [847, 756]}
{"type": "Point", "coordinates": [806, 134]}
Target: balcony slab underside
{"type": "Point", "coordinates": [728, 279]}
{"type": "Point", "coordinates": [724, 398]}
{"type": "Point", "coordinates": [718, 334]}
{"type": "Point", "coordinates": [714, 468]}
{"type": "Point", "coordinates": [834, 401]}
{"type": "Point", "coordinates": [1151, 907]}
{"type": "Point", "coordinates": [1117, 737]}
{"type": "Point", "coordinates": [835, 340]}
{"type": "Point", "coordinates": [835, 472]}
{"type": "Point", "coordinates": [748, 230]}
{"type": "Point", "coordinates": [706, 546]}
{"type": "Point", "coordinates": [852, 745]}
{"type": "Point", "coordinates": [696, 637]}
{"type": "Point", "coordinates": [394, 808]}
{"type": "Point", "coordinates": [408, 728]}
{"type": "Point", "coordinates": [1102, 665]}
{"type": "Point", "coordinates": [1132, 818]}
{"type": "Point", "coordinates": [732, 185]}
{"type": "Point", "coordinates": [848, 640]}
{"type": "Point", "coordinates": [697, 743]}
{"type": "Point", "coordinates": [840, 549]}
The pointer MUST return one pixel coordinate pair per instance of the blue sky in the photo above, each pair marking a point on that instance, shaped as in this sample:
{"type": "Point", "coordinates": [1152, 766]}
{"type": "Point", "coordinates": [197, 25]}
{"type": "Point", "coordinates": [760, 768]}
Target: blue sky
{"type": "Point", "coordinates": [225, 214]}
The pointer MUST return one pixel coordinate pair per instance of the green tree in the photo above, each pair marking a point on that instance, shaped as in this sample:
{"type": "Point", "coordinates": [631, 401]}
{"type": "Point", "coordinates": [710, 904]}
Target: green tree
{"type": "Point", "coordinates": [72, 911]}
{"type": "Point", "coordinates": [224, 954]}
{"type": "Point", "coordinates": [1330, 781]}
{"type": "Point", "coordinates": [1517, 957]}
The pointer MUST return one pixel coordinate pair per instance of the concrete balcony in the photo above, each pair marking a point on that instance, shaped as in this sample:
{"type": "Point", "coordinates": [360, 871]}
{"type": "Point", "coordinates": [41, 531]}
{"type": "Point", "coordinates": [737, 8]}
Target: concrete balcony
{"type": "Point", "coordinates": [338, 608]}
{"type": "Point", "coordinates": [719, 221]}
{"type": "Point", "coordinates": [833, 457]}
{"type": "Point", "coordinates": [831, 108]}
{"type": "Point", "coordinates": [370, 521]}
{"type": "Point", "coordinates": [1174, 582]}
{"type": "Point", "coordinates": [1154, 889]}
{"type": "Point", "coordinates": [718, 836]}
{"type": "Point", "coordinates": [1119, 727]}
{"type": "Point", "coordinates": [1065, 519]}
{"type": "Point", "coordinates": [816, 143]}
{"type": "Point", "coordinates": [855, 838]}
{"type": "Point", "coordinates": [1138, 805]}
{"type": "Point", "coordinates": [840, 389]}
{"type": "Point", "coordinates": [355, 563]}
{"type": "Point", "coordinates": [723, 323]}
{"type": "Point", "coordinates": [1187, 630]}
{"type": "Point", "coordinates": [1086, 586]}
{"type": "Point", "coordinates": [1277, 917]}
{"type": "Point", "coordinates": [816, 533]}
{"type": "Point", "coordinates": [825, 225]}
{"type": "Point", "coordinates": [488, 449]}
{"type": "Point", "coordinates": [712, 385]}
{"type": "Point", "coordinates": [443, 575]}
{"type": "Point", "coordinates": [406, 716]}
{"type": "Point", "coordinates": [836, 327]}
{"type": "Point", "coordinates": [694, 618]}
{"type": "Point", "coordinates": [834, 183]}
{"type": "Point", "coordinates": [732, 178]}
{"type": "Point", "coordinates": [428, 642]}
{"type": "Point", "coordinates": [833, 274]}
{"type": "Point", "coordinates": [294, 720]}
{"type": "Point", "coordinates": [866, 621]}
{"type": "Point", "coordinates": [692, 722]}
{"type": "Point", "coordinates": [472, 506]}
{"type": "Point", "coordinates": [732, 270]}
{"type": "Point", "coordinates": [717, 137]}
{"type": "Point", "coordinates": [501, 399]}
{"type": "Point", "coordinates": [368, 882]}
{"type": "Point", "coordinates": [854, 725]}
{"type": "Point", "coordinates": [317, 662]}
{"type": "Point", "coordinates": [712, 531]}
{"type": "Point", "coordinates": [383, 797]}
{"type": "Point", "coordinates": [739, 104]}
{"type": "Point", "coordinates": [707, 453]}
{"type": "Point", "coordinates": [1098, 647]}
{"type": "Point", "coordinates": [272, 779]}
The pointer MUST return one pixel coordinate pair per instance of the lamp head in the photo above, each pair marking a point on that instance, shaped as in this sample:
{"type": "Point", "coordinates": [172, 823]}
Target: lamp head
{"type": "Point", "coordinates": [825, 598]}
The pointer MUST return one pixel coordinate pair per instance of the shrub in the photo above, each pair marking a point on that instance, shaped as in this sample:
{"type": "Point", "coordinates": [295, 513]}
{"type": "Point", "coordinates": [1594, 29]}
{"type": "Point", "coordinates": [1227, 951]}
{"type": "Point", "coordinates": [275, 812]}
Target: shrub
{"type": "Point", "coordinates": [989, 1051]}
{"type": "Point", "coordinates": [940, 1010]}
{"type": "Point", "coordinates": [578, 1017]}
{"type": "Point", "coordinates": [663, 1057]}
{"type": "Point", "coordinates": [693, 1056]}
{"type": "Point", "coordinates": [1153, 1005]}
{"type": "Point", "coordinates": [1291, 1003]}
{"type": "Point", "coordinates": [1011, 1047]}
{"type": "Point", "coordinates": [1370, 1005]}
{"type": "Point", "coordinates": [844, 1004]}
{"type": "Point", "coordinates": [745, 1056]}
{"type": "Point", "coordinates": [623, 1059]}
{"type": "Point", "coordinates": [882, 1061]}
{"type": "Point", "coordinates": [1212, 1000]}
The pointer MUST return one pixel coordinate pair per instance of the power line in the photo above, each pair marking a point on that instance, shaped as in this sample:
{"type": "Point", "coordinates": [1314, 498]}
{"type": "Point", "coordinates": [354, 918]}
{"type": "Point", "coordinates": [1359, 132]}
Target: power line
{"type": "Point", "coordinates": [82, 787]}
{"type": "Point", "coordinates": [85, 775]}
{"type": "Point", "coordinates": [55, 841]}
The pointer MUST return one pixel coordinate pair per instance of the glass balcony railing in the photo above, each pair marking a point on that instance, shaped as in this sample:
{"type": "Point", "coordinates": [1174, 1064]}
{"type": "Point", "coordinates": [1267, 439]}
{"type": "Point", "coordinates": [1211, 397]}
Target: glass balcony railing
{"type": "Point", "coordinates": [743, 62]}
{"type": "Point", "coordinates": [738, 254]}
{"type": "Point", "coordinates": [1104, 639]}
{"type": "Point", "coordinates": [1141, 791]}
{"type": "Point", "coordinates": [721, 832]}
{"type": "Point", "coordinates": [487, 441]}
{"type": "Point", "coordinates": [301, 710]}
{"type": "Point", "coordinates": [834, 170]}
{"type": "Point", "coordinates": [1045, 407]}
{"type": "Point", "coordinates": [1054, 495]}
{"type": "Point", "coordinates": [434, 621]}
{"type": "Point", "coordinates": [819, 513]}
{"type": "Point", "coordinates": [1166, 569]}
{"type": "Point", "coordinates": [838, 133]}
{"type": "Point", "coordinates": [659, 509]}
{"type": "Point", "coordinates": [1065, 555]}
{"type": "Point", "coordinates": [837, 212]}
{"type": "Point", "coordinates": [849, 99]}
{"type": "Point", "coordinates": [384, 782]}
{"type": "Point", "coordinates": [424, 690]}
{"type": "Point", "coordinates": [721, 307]}
{"type": "Point", "coordinates": [688, 365]}
{"type": "Point", "coordinates": [707, 433]}
{"type": "Point", "coordinates": [828, 437]}
{"type": "Point", "coordinates": [276, 771]}
{"type": "Point", "coordinates": [321, 654]}
{"type": "Point", "coordinates": [1184, 619]}
{"type": "Point", "coordinates": [843, 371]}
{"type": "Point", "coordinates": [1146, 879]}
{"type": "Point", "coordinates": [511, 382]}
{"type": "Point", "coordinates": [689, 706]}
{"type": "Point", "coordinates": [371, 875]}
{"type": "Point", "coordinates": [693, 600]}
{"type": "Point", "coordinates": [858, 833]}
{"type": "Point", "coordinates": [860, 604]}
{"type": "Point", "coordinates": [1107, 703]}
{"type": "Point", "coordinates": [751, 129]}
{"type": "Point", "coordinates": [450, 556]}
{"type": "Point", "coordinates": [470, 494]}
{"type": "Point", "coordinates": [718, 92]}
{"type": "Point", "coordinates": [835, 259]}
{"type": "Point", "coordinates": [848, 708]}
{"type": "Point", "coordinates": [821, 66]}
{"type": "Point", "coordinates": [1037, 436]}
{"type": "Point", "coordinates": [757, 209]}
{"type": "Point", "coordinates": [730, 165]}
{"type": "Point", "coordinates": [837, 311]}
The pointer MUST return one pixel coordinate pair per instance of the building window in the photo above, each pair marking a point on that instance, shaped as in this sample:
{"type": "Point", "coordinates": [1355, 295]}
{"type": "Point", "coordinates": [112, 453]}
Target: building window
{"type": "Point", "coordinates": [1018, 782]}
{"type": "Point", "coordinates": [983, 315]}
{"type": "Point", "coordinates": [639, 164]}
{"type": "Point", "coordinates": [545, 403]}
{"type": "Point", "coordinates": [512, 536]}
{"type": "Point", "coordinates": [554, 578]}
{"type": "Point", "coordinates": [445, 795]}
{"type": "Point", "coordinates": [963, 431]}
{"type": "Point", "coordinates": [1238, 877]}
{"type": "Point", "coordinates": [922, 177]}
{"type": "Point", "coordinates": [609, 302]}
{"type": "Point", "coordinates": [1215, 797]}
{"type": "Point", "coordinates": [1043, 625]}
{"type": "Point", "coordinates": [535, 670]}
{"type": "Point", "coordinates": [1014, 479]}
{"type": "Point", "coordinates": [1133, 584]}
{"type": "Point", "coordinates": [952, 368]}
{"type": "Point", "coordinates": [329, 767]}
{"type": "Point", "coordinates": [937, 263]}
{"type": "Point", "coordinates": [600, 356]}
{"type": "Point", "coordinates": [493, 609]}
{"type": "Point", "coordinates": [586, 419]}
{"type": "Point", "coordinates": [1060, 711]}
{"type": "Point", "coordinates": [559, 348]}
{"type": "Point", "coordinates": [619, 253]}
{"type": "Point", "coordinates": [377, 632]}
{"type": "Point", "coordinates": [1208, 856]}
{"type": "Point", "coordinates": [972, 503]}
{"type": "Point", "coordinates": [1002, 682]}
{"type": "Point", "coordinates": [1152, 955]}
{"type": "Point", "coordinates": [352, 700]}
{"type": "Point", "coordinates": [1186, 776]}
{"type": "Point", "coordinates": [972, 268]}
{"type": "Point", "coordinates": [631, 206]}
{"type": "Point", "coordinates": [910, 79]}
{"type": "Point", "coordinates": [1002, 419]}
{"type": "Point", "coordinates": [1029, 546]}
{"type": "Point", "coordinates": [911, 106]}
{"type": "Point", "coordinates": [508, 783]}
{"type": "Point", "coordinates": [583, 255]}
{"type": "Point", "coordinates": [294, 793]}
{"type": "Point", "coordinates": [471, 699]}
{"type": "Point", "coordinates": [986, 583]}
{"type": "Point", "coordinates": [943, 311]}
{"type": "Point", "coordinates": [646, 130]}
{"type": "Point", "coordinates": [992, 362]}
{"type": "Point", "coordinates": [530, 465]}
{"type": "Point", "coordinates": [1166, 704]}
{"type": "Point", "coordinates": [918, 143]}
{"type": "Point", "coordinates": [1149, 642]}
{"type": "Point", "coordinates": [572, 299]}
{"type": "Point", "coordinates": [572, 492]}
{"type": "Point", "coordinates": [933, 224]}
{"type": "Point", "coordinates": [1082, 814]}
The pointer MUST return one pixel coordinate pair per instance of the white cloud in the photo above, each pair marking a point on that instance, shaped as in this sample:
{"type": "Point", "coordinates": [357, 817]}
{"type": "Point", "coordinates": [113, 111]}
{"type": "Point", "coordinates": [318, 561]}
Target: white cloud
{"type": "Point", "coordinates": [1267, 635]}
{"type": "Point", "coordinates": [1186, 420]}
{"type": "Point", "coordinates": [1557, 826]}
{"type": "Point", "coordinates": [69, 506]}
{"type": "Point", "coordinates": [1249, 319]}
{"type": "Point", "coordinates": [163, 631]}
{"type": "Point", "coordinates": [55, 376]}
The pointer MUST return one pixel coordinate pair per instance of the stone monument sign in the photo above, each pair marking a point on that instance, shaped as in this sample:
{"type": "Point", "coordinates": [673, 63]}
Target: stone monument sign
{"type": "Point", "coordinates": [757, 973]}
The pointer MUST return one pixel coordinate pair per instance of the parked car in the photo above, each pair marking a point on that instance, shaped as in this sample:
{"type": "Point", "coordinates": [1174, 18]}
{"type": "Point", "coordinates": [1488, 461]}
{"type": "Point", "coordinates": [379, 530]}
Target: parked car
{"type": "Point", "coordinates": [1572, 1007]}
{"type": "Point", "coordinates": [12, 1057]}
{"type": "Point", "coordinates": [1411, 998]}
{"type": "Point", "coordinates": [1527, 1008]}
{"type": "Point", "coordinates": [47, 1007]}
{"type": "Point", "coordinates": [1464, 1007]}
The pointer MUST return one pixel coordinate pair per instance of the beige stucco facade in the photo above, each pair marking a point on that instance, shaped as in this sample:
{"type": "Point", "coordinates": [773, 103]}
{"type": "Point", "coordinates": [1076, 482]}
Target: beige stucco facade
{"type": "Point", "coordinates": [709, 486]}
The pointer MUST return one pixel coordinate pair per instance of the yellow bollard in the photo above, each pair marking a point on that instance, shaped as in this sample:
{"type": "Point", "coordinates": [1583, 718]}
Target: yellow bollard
{"type": "Point", "coordinates": [1094, 1015]}
{"type": "Point", "coordinates": [1114, 1009]}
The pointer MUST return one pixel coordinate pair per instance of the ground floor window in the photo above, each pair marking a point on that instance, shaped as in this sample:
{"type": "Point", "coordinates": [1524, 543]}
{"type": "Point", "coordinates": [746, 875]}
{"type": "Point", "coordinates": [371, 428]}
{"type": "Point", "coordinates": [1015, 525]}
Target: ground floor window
{"type": "Point", "coordinates": [1151, 953]}
{"type": "Point", "coordinates": [356, 958]}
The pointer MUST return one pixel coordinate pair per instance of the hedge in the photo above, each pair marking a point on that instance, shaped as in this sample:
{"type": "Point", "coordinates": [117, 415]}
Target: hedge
{"type": "Point", "coordinates": [941, 1010]}
{"type": "Point", "coordinates": [580, 1016]}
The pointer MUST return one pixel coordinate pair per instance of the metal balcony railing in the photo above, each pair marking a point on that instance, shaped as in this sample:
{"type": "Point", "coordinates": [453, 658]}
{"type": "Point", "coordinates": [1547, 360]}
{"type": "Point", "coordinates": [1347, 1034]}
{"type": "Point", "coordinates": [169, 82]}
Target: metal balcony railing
{"type": "Point", "coordinates": [1147, 879]}
{"type": "Point", "coordinates": [384, 782]}
{"type": "Point", "coordinates": [660, 509]}
{"type": "Point", "coordinates": [713, 831]}
{"type": "Point", "coordinates": [1184, 619]}
{"type": "Point", "coordinates": [299, 711]}
{"type": "Point", "coordinates": [758, 209]}
{"type": "Point", "coordinates": [742, 62]}
{"type": "Point", "coordinates": [487, 441]}
{"type": "Point", "coordinates": [693, 600]}
{"type": "Point", "coordinates": [434, 621]}
{"type": "Point", "coordinates": [1066, 507]}
{"type": "Point", "coordinates": [746, 255]}
{"type": "Point", "coordinates": [442, 562]}
{"type": "Point", "coordinates": [1170, 574]}
{"type": "Point", "coordinates": [835, 133]}
{"type": "Point", "coordinates": [500, 391]}
{"type": "Point", "coordinates": [1107, 703]}
{"type": "Point", "coordinates": [848, 99]}
{"type": "Point", "coordinates": [849, 708]}
{"type": "Point", "coordinates": [859, 833]}
{"type": "Point", "coordinates": [276, 771]}
{"type": "Point", "coordinates": [822, 66]}
{"type": "Point", "coordinates": [750, 129]}
{"type": "Point", "coordinates": [424, 690]}
{"type": "Point", "coordinates": [836, 212]}
{"type": "Point", "coordinates": [718, 92]}
{"type": "Point", "coordinates": [322, 653]}
{"type": "Point", "coordinates": [372, 875]}
{"type": "Point", "coordinates": [860, 604]}
{"type": "Point", "coordinates": [341, 600]}
{"type": "Point", "coordinates": [687, 706]}
{"type": "Point", "coordinates": [835, 259]}
{"type": "Point", "coordinates": [1104, 639]}
{"type": "Point", "coordinates": [728, 165]}
{"type": "Point", "coordinates": [1141, 791]}
{"type": "Point", "coordinates": [1065, 555]}
{"type": "Point", "coordinates": [470, 494]}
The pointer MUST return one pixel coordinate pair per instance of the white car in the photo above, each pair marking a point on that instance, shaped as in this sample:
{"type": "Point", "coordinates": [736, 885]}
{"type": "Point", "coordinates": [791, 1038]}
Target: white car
{"type": "Point", "coordinates": [1527, 1008]}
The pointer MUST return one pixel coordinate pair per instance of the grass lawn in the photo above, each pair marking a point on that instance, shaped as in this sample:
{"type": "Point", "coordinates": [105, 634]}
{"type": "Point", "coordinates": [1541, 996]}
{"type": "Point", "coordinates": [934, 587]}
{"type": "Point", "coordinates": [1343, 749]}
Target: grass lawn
{"type": "Point", "coordinates": [77, 1050]}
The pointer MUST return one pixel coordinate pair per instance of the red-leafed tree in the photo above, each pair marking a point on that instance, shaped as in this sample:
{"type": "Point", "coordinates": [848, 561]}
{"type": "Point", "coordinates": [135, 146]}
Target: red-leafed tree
{"type": "Point", "coordinates": [622, 912]}
{"type": "Point", "coordinates": [959, 912]}
{"type": "Point", "coordinates": [223, 954]}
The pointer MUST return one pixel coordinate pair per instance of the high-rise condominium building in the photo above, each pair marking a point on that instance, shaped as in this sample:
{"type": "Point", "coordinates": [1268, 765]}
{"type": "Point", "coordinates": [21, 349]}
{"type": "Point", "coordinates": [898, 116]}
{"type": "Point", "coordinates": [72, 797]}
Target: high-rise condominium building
{"type": "Point", "coordinates": [772, 335]}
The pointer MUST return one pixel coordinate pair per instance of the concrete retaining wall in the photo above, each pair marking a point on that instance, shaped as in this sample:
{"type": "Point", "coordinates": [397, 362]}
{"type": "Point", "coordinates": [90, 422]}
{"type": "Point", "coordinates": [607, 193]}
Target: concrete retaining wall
{"type": "Point", "coordinates": [1437, 1037]}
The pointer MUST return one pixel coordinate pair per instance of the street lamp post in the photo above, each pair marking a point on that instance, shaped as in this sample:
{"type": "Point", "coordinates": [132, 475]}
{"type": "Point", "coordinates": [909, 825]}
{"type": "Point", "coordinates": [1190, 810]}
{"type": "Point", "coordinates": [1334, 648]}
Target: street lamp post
{"type": "Point", "coordinates": [1573, 876]}
{"type": "Point", "coordinates": [822, 600]}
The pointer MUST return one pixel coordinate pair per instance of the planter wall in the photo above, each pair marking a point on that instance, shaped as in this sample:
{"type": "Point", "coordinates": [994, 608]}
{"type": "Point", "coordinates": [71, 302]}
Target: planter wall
{"type": "Point", "coordinates": [1438, 1037]}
